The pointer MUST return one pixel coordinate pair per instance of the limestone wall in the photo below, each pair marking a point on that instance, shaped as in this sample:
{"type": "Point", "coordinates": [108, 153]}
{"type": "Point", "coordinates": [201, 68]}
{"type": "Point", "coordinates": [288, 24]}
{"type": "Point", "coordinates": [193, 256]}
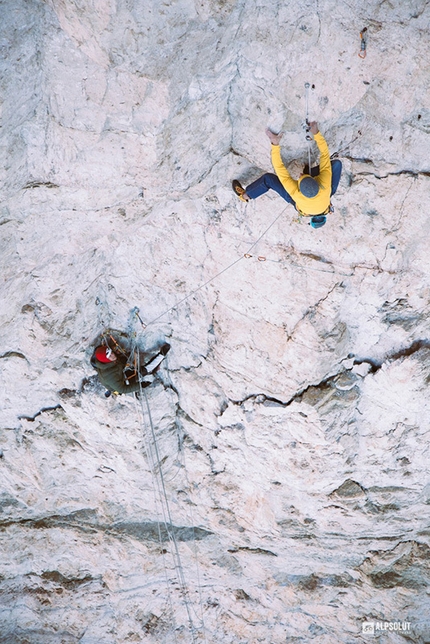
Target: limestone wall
{"type": "Point", "coordinates": [292, 421]}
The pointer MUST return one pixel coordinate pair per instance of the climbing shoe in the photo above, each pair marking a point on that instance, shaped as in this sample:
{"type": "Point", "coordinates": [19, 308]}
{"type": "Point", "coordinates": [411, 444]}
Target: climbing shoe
{"type": "Point", "coordinates": [151, 366]}
{"type": "Point", "coordinates": [164, 349]}
{"type": "Point", "coordinates": [239, 191]}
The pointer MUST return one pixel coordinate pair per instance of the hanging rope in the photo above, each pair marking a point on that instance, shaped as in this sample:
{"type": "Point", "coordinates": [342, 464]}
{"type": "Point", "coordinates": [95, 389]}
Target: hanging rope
{"type": "Point", "coordinates": [153, 458]}
{"type": "Point", "coordinates": [182, 453]}
{"type": "Point", "coordinates": [308, 136]}
{"type": "Point", "coordinates": [160, 539]}
{"type": "Point", "coordinates": [155, 463]}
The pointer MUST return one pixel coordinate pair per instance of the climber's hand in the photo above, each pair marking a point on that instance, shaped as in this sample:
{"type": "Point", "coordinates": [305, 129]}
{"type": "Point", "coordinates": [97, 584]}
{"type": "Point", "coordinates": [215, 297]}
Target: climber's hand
{"type": "Point", "coordinates": [274, 138]}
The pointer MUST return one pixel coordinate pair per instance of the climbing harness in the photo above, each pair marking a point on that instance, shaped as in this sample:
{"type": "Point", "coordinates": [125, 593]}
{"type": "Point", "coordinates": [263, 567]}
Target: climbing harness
{"type": "Point", "coordinates": [330, 208]}
{"type": "Point", "coordinates": [363, 43]}
{"type": "Point", "coordinates": [128, 350]}
{"type": "Point", "coordinates": [106, 337]}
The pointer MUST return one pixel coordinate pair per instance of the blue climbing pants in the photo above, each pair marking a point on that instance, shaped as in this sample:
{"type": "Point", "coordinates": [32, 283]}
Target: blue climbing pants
{"type": "Point", "coordinates": [270, 181]}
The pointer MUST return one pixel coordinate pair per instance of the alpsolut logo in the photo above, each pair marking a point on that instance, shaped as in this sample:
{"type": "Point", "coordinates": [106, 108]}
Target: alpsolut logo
{"type": "Point", "coordinates": [370, 628]}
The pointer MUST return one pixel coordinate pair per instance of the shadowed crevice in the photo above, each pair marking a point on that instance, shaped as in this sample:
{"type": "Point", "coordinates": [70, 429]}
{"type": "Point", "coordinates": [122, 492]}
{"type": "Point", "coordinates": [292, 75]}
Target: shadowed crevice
{"type": "Point", "coordinates": [255, 551]}
{"type": "Point", "coordinates": [41, 411]}
{"type": "Point", "coordinates": [13, 354]}
{"type": "Point", "coordinates": [326, 383]}
{"type": "Point", "coordinates": [375, 365]}
{"type": "Point", "coordinates": [86, 521]}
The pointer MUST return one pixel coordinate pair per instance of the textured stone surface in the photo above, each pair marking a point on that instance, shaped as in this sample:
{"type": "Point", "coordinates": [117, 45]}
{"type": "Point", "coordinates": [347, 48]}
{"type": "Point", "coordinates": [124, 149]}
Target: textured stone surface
{"type": "Point", "coordinates": [292, 422]}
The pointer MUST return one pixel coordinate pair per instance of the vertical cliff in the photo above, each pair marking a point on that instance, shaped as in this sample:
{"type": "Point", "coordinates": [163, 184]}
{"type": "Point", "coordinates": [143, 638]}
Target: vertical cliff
{"type": "Point", "coordinates": [274, 484]}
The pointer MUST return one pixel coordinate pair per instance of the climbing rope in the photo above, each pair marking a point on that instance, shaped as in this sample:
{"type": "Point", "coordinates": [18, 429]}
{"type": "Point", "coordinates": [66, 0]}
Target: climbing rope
{"type": "Point", "coordinates": [103, 316]}
{"type": "Point", "coordinates": [156, 469]}
{"type": "Point", "coordinates": [155, 466]}
{"type": "Point", "coordinates": [246, 255]}
{"type": "Point", "coordinates": [192, 522]}
{"type": "Point", "coordinates": [158, 513]}
{"type": "Point", "coordinates": [308, 136]}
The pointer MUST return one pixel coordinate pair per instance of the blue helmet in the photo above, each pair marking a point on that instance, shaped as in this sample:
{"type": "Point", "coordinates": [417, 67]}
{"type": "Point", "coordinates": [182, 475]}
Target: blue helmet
{"type": "Point", "coordinates": [318, 221]}
{"type": "Point", "coordinates": [309, 187]}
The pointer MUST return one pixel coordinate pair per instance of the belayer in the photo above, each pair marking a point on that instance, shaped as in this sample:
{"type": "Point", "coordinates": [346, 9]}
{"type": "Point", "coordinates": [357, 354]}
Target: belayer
{"type": "Point", "coordinates": [310, 195]}
{"type": "Point", "coordinates": [118, 376]}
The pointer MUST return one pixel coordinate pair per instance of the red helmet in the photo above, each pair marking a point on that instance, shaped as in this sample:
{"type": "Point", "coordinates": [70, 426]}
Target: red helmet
{"type": "Point", "coordinates": [103, 354]}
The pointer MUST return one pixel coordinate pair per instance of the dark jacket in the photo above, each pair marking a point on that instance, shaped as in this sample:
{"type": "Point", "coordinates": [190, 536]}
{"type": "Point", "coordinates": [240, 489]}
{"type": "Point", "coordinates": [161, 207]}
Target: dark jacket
{"type": "Point", "coordinates": [111, 375]}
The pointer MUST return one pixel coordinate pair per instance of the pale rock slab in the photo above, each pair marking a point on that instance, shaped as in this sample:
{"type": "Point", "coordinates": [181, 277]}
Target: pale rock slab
{"type": "Point", "coordinates": [290, 423]}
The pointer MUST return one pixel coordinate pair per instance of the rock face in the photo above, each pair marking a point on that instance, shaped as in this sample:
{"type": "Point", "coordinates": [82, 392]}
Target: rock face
{"type": "Point", "coordinates": [273, 485]}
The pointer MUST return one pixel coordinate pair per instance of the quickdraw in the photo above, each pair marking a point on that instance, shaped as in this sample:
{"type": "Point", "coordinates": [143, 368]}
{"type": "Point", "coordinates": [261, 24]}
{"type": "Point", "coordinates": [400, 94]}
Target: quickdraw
{"type": "Point", "coordinates": [307, 122]}
{"type": "Point", "coordinates": [363, 44]}
{"type": "Point", "coordinates": [130, 368]}
{"type": "Point", "coordinates": [307, 125]}
{"type": "Point", "coordinates": [260, 258]}
{"type": "Point", "coordinates": [136, 311]}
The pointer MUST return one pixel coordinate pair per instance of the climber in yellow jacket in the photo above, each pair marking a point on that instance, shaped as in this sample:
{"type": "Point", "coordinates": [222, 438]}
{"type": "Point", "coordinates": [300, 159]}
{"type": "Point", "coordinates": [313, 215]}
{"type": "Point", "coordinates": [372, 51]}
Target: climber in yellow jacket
{"type": "Point", "coordinates": [310, 195]}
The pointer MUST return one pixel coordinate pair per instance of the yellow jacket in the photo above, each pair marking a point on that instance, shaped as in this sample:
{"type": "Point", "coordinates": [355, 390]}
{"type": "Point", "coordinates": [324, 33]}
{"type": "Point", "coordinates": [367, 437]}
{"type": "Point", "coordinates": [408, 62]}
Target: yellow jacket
{"type": "Point", "coordinates": [307, 205]}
